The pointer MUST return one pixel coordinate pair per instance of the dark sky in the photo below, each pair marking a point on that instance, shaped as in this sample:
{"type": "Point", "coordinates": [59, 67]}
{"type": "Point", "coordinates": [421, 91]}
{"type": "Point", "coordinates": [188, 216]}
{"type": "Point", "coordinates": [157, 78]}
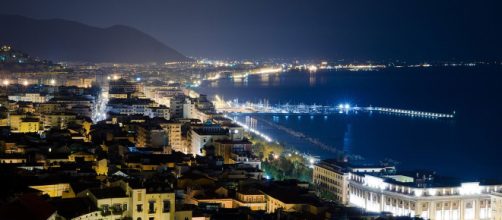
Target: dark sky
{"type": "Point", "coordinates": [351, 29]}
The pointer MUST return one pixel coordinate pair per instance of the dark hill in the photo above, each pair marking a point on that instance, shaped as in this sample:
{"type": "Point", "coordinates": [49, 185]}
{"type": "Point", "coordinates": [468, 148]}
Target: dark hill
{"type": "Point", "coordinates": [62, 40]}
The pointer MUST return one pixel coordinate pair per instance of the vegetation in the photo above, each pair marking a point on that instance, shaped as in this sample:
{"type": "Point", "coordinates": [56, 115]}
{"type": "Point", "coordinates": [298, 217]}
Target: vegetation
{"type": "Point", "coordinates": [278, 164]}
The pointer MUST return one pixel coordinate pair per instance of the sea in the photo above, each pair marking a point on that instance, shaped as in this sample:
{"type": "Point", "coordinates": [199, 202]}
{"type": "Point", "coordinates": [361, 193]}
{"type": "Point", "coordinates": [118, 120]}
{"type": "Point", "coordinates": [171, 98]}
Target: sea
{"type": "Point", "coordinates": [468, 147]}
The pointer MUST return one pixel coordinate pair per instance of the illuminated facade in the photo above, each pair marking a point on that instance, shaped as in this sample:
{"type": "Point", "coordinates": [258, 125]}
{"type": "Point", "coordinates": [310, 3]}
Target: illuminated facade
{"type": "Point", "coordinates": [174, 136]}
{"type": "Point", "coordinates": [332, 178]}
{"type": "Point", "coordinates": [207, 134]}
{"type": "Point", "coordinates": [408, 196]}
{"type": "Point", "coordinates": [29, 125]}
{"type": "Point", "coordinates": [31, 97]}
{"type": "Point", "coordinates": [122, 201]}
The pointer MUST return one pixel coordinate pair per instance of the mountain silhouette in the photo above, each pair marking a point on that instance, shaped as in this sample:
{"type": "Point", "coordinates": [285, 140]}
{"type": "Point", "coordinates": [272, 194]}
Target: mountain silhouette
{"type": "Point", "coordinates": [63, 40]}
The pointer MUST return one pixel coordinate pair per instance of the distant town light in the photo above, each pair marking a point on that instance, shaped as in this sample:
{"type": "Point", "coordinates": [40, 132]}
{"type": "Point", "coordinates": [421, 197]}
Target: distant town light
{"type": "Point", "coordinates": [6, 82]}
{"type": "Point", "coordinates": [312, 68]}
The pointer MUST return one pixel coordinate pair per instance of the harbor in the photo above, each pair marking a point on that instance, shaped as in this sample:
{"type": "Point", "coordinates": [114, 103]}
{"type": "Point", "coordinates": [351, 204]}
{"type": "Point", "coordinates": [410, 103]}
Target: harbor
{"type": "Point", "coordinates": [234, 106]}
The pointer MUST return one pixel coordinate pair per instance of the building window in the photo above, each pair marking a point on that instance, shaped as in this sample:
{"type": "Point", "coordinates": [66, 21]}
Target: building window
{"type": "Point", "coordinates": [166, 206]}
{"type": "Point", "coordinates": [139, 208]}
{"type": "Point", "coordinates": [151, 207]}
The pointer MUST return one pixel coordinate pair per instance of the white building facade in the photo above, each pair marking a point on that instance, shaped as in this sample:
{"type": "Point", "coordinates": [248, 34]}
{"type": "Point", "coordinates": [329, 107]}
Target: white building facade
{"type": "Point", "coordinates": [406, 196]}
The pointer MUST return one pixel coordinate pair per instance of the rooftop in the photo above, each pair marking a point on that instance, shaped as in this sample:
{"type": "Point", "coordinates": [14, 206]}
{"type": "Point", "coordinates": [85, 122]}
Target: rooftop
{"type": "Point", "coordinates": [109, 192]}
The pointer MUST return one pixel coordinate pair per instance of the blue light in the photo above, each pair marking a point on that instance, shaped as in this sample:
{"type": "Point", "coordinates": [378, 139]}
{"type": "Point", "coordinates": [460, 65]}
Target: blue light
{"type": "Point", "coordinates": [138, 78]}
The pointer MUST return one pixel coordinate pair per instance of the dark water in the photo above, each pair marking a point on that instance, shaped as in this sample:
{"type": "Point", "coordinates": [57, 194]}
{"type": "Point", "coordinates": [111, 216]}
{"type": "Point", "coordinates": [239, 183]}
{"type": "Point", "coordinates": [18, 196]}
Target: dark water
{"type": "Point", "coordinates": [469, 147]}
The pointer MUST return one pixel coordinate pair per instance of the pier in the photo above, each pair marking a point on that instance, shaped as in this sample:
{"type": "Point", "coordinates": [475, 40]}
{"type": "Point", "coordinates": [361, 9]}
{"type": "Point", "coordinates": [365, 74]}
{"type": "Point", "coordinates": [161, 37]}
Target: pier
{"type": "Point", "coordinates": [264, 107]}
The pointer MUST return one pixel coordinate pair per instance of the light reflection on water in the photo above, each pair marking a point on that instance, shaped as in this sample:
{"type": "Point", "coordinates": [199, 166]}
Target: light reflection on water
{"type": "Point", "coordinates": [468, 146]}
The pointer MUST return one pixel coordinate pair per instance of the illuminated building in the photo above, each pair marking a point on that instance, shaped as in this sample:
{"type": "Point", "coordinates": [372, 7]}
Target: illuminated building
{"type": "Point", "coordinates": [101, 167]}
{"type": "Point", "coordinates": [176, 106]}
{"type": "Point", "coordinates": [49, 107]}
{"type": "Point", "coordinates": [123, 86]}
{"type": "Point", "coordinates": [29, 122]}
{"type": "Point", "coordinates": [225, 148]}
{"type": "Point", "coordinates": [151, 136]}
{"type": "Point", "coordinates": [161, 112]}
{"type": "Point", "coordinates": [235, 148]}
{"type": "Point", "coordinates": [81, 81]}
{"type": "Point", "coordinates": [59, 120]}
{"type": "Point", "coordinates": [404, 195]}
{"type": "Point", "coordinates": [131, 106]}
{"type": "Point", "coordinates": [206, 134]}
{"type": "Point", "coordinates": [55, 190]}
{"type": "Point", "coordinates": [124, 200]}
{"type": "Point", "coordinates": [12, 158]}
{"type": "Point", "coordinates": [332, 178]}
{"type": "Point", "coordinates": [118, 95]}
{"type": "Point", "coordinates": [31, 97]}
{"type": "Point", "coordinates": [29, 125]}
{"type": "Point", "coordinates": [174, 136]}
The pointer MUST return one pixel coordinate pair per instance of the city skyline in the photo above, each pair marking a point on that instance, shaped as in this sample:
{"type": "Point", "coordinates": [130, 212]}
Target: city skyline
{"type": "Point", "coordinates": [257, 110]}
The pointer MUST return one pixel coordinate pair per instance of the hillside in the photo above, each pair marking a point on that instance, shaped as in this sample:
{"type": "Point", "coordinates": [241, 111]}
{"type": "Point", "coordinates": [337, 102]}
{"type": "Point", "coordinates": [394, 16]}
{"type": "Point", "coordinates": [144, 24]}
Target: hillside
{"type": "Point", "coordinates": [63, 40]}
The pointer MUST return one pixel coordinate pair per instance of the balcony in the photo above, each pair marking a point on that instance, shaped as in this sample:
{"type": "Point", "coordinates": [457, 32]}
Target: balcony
{"type": "Point", "coordinates": [105, 212]}
{"type": "Point", "coordinates": [117, 211]}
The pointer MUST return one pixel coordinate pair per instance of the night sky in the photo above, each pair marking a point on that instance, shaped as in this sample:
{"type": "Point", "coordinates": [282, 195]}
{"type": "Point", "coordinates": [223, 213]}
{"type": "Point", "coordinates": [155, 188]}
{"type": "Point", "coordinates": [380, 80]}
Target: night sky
{"type": "Point", "coordinates": [355, 29]}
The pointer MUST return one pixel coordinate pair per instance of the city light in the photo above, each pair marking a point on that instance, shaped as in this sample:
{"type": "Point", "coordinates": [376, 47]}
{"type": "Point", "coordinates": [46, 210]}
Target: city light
{"type": "Point", "coordinates": [247, 128]}
{"type": "Point", "coordinates": [418, 192]}
{"type": "Point", "coordinates": [432, 191]}
{"type": "Point", "coordinates": [315, 123]}
{"type": "Point", "coordinates": [312, 68]}
{"type": "Point", "coordinates": [268, 70]}
{"type": "Point", "coordinates": [470, 188]}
